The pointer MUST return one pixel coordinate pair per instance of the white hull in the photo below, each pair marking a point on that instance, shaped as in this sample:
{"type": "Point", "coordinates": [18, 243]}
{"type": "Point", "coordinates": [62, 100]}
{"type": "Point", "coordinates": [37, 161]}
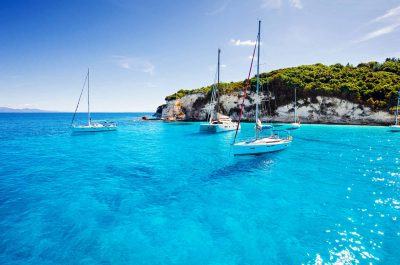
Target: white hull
{"type": "Point", "coordinates": [91, 126]}
{"type": "Point", "coordinates": [294, 126]}
{"type": "Point", "coordinates": [261, 146]}
{"type": "Point", "coordinates": [394, 128]}
{"type": "Point", "coordinates": [216, 128]}
{"type": "Point", "coordinates": [94, 128]}
{"type": "Point", "coordinates": [265, 145]}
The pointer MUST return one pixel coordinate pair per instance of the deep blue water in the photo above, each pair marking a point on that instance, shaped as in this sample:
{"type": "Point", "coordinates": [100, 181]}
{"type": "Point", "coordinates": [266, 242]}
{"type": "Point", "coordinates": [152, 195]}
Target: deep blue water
{"type": "Point", "coordinates": [162, 193]}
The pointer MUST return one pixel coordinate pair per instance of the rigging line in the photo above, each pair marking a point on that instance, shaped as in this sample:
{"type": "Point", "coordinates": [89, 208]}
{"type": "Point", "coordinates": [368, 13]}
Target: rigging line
{"type": "Point", "coordinates": [208, 117]}
{"type": "Point", "coordinates": [215, 94]}
{"type": "Point", "coordinates": [397, 108]}
{"type": "Point", "coordinates": [79, 100]}
{"type": "Point", "coordinates": [265, 86]}
{"type": "Point", "coordinates": [265, 101]}
{"type": "Point", "coordinates": [245, 91]}
{"type": "Point", "coordinates": [218, 86]}
{"type": "Point", "coordinates": [269, 95]}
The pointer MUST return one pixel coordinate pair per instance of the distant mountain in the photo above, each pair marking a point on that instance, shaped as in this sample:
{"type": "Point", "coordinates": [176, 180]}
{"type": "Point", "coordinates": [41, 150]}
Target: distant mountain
{"type": "Point", "coordinates": [25, 110]}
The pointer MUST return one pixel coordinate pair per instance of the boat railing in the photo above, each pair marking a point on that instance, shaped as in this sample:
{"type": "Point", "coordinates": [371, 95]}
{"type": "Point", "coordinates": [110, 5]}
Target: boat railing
{"type": "Point", "coordinates": [102, 121]}
{"type": "Point", "coordinates": [105, 123]}
{"type": "Point", "coordinates": [281, 134]}
{"type": "Point", "coordinates": [109, 124]}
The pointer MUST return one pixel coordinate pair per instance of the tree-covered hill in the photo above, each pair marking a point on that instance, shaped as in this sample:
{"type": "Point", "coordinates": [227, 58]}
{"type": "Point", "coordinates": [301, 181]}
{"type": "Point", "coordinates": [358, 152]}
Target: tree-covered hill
{"type": "Point", "coordinates": [371, 84]}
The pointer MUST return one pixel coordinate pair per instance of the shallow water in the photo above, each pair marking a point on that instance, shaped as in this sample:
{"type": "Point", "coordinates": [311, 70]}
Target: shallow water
{"type": "Point", "coordinates": [162, 193]}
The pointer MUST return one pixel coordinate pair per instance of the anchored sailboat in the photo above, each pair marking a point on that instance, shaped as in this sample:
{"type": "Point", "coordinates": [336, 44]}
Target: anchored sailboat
{"type": "Point", "coordinates": [216, 121]}
{"type": "Point", "coordinates": [91, 126]}
{"type": "Point", "coordinates": [277, 139]}
{"type": "Point", "coordinates": [396, 126]}
{"type": "Point", "coordinates": [296, 124]}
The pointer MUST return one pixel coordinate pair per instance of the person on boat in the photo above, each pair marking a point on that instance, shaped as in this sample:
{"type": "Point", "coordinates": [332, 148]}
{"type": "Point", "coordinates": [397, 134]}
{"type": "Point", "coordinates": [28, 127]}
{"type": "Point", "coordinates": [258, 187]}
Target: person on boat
{"type": "Point", "coordinates": [258, 125]}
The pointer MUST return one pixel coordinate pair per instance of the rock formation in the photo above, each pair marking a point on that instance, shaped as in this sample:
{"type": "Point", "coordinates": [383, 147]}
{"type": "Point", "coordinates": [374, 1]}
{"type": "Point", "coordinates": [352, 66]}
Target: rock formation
{"type": "Point", "coordinates": [321, 109]}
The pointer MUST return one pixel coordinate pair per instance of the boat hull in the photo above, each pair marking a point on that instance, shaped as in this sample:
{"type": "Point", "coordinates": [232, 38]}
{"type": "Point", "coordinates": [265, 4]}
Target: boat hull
{"type": "Point", "coordinates": [394, 128]}
{"type": "Point", "coordinates": [259, 147]}
{"type": "Point", "coordinates": [83, 129]}
{"type": "Point", "coordinates": [294, 126]}
{"type": "Point", "coordinates": [216, 128]}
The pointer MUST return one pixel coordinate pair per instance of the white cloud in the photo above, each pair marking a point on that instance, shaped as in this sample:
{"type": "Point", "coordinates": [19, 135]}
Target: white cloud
{"type": "Point", "coordinates": [296, 4]}
{"type": "Point", "coordinates": [271, 4]}
{"type": "Point", "coordinates": [148, 68]}
{"type": "Point", "coordinates": [243, 42]}
{"type": "Point", "coordinates": [219, 9]}
{"type": "Point", "coordinates": [26, 105]}
{"type": "Point", "coordinates": [390, 22]}
{"type": "Point", "coordinates": [277, 4]}
{"type": "Point", "coordinates": [391, 13]}
{"type": "Point", "coordinates": [134, 64]}
{"type": "Point", "coordinates": [214, 67]}
{"type": "Point", "coordinates": [150, 85]}
{"type": "Point", "coordinates": [379, 32]}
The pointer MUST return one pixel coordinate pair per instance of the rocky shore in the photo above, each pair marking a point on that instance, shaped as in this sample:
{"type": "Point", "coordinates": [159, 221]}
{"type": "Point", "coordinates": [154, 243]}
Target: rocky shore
{"type": "Point", "coordinates": [320, 109]}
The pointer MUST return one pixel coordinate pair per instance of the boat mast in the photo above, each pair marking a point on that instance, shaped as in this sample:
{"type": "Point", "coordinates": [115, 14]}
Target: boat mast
{"type": "Point", "coordinates": [295, 106]}
{"type": "Point", "coordinates": [258, 74]}
{"type": "Point", "coordinates": [397, 108]}
{"type": "Point", "coordinates": [88, 101]}
{"type": "Point", "coordinates": [248, 84]}
{"type": "Point", "coordinates": [218, 95]}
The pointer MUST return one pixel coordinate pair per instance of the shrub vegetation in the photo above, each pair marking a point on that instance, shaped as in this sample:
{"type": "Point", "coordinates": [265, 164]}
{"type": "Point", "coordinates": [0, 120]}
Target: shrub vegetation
{"type": "Point", "coordinates": [371, 84]}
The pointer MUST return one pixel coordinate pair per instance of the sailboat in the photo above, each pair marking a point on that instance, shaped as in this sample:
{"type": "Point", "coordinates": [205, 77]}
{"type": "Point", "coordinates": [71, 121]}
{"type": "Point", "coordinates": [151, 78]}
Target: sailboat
{"type": "Point", "coordinates": [396, 126]}
{"type": "Point", "coordinates": [296, 124]}
{"type": "Point", "coordinates": [277, 139]}
{"type": "Point", "coordinates": [217, 122]}
{"type": "Point", "coordinates": [90, 126]}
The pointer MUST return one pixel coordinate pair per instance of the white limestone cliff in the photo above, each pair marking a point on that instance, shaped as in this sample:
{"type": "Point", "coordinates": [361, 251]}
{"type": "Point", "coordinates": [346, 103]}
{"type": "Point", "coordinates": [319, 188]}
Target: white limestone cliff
{"type": "Point", "coordinates": [318, 110]}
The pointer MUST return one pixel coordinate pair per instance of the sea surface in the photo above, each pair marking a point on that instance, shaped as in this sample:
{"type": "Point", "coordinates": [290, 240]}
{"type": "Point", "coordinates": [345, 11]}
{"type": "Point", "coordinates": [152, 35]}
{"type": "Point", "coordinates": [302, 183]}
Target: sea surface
{"type": "Point", "coordinates": [163, 193]}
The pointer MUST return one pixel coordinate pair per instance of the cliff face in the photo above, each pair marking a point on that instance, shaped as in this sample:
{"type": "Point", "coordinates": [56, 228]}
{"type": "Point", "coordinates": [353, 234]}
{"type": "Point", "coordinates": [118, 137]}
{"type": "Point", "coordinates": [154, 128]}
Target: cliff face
{"type": "Point", "coordinates": [321, 109]}
{"type": "Point", "coordinates": [362, 94]}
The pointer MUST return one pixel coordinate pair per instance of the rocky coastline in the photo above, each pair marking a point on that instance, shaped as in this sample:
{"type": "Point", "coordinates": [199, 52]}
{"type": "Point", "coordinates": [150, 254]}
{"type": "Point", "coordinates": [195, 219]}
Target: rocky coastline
{"type": "Point", "coordinates": [318, 110]}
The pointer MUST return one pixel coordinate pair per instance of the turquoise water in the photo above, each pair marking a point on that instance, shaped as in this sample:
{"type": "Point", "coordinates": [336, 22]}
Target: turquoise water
{"type": "Point", "coordinates": [162, 193]}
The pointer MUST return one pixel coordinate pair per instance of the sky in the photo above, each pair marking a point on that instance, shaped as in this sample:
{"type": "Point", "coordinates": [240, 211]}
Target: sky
{"type": "Point", "coordinates": [139, 51]}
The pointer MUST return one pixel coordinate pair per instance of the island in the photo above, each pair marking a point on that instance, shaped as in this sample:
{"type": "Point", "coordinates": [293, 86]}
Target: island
{"type": "Point", "coordinates": [24, 110]}
{"type": "Point", "coordinates": [331, 94]}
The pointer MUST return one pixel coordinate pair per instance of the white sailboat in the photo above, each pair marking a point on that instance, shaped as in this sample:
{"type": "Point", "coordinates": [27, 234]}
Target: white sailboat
{"type": "Point", "coordinates": [296, 124]}
{"type": "Point", "coordinates": [90, 126]}
{"type": "Point", "coordinates": [396, 126]}
{"type": "Point", "coordinates": [217, 122]}
{"type": "Point", "coordinates": [277, 139]}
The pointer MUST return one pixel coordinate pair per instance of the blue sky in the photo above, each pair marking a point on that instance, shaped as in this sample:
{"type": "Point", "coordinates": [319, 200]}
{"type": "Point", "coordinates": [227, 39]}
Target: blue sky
{"type": "Point", "coordinates": [140, 51]}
